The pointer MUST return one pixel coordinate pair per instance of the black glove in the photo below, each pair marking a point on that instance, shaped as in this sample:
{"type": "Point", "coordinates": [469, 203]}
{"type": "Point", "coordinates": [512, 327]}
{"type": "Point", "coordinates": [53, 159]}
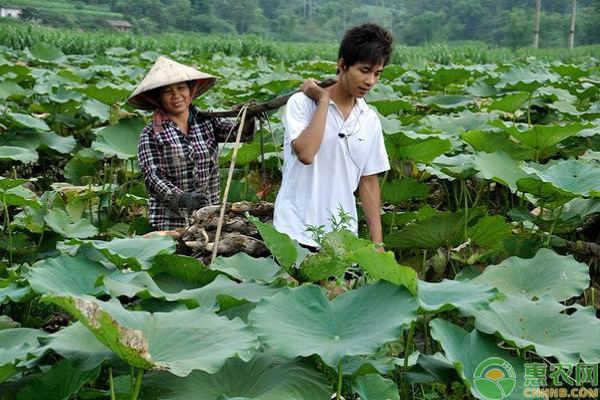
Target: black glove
{"type": "Point", "coordinates": [191, 201]}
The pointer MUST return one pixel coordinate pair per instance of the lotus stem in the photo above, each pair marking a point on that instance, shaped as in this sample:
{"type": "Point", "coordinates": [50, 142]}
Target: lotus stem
{"type": "Point", "coordinates": [340, 375]}
{"type": "Point", "coordinates": [529, 112]}
{"type": "Point", "coordinates": [138, 385]}
{"type": "Point", "coordinates": [560, 210]}
{"type": "Point", "coordinates": [408, 344]}
{"type": "Point", "coordinates": [7, 227]}
{"type": "Point", "coordinates": [111, 384]}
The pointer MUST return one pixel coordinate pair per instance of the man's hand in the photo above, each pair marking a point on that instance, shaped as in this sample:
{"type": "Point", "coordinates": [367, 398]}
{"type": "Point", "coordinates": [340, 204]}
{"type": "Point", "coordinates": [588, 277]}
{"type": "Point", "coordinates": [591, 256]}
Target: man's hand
{"type": "Point", "coordinates": [191, 201]}
{"type": "Point", "coordinates": [310, 88]}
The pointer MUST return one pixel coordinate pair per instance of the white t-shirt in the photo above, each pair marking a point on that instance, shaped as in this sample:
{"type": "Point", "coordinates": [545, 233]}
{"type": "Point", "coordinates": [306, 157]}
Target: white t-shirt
{"type": "Point", "coordinates": [312, 194]}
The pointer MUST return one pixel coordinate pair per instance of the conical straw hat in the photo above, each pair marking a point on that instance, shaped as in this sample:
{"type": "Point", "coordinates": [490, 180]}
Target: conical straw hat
{"type": "Point", "coordinates": [165, 72]}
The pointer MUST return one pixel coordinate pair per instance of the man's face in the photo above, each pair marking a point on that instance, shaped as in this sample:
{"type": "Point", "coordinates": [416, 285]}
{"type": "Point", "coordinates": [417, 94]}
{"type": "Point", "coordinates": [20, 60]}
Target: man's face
{"type": "Point", "coordinates": [359, 78]}
{"type": "Point", "coordinates": [175, 98]}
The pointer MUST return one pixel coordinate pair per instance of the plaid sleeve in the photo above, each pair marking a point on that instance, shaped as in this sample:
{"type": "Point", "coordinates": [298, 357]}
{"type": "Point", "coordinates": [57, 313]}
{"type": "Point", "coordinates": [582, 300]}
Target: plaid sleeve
{"type": "Point", "coordinates": [153, 167]}
{"type": "Point", "coordinates": [222, 129]}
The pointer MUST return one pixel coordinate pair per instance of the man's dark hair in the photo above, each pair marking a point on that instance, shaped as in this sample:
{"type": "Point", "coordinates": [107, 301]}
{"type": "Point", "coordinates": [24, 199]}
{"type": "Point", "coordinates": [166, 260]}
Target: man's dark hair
{"type": "Point", "coordinates": [366, 43]}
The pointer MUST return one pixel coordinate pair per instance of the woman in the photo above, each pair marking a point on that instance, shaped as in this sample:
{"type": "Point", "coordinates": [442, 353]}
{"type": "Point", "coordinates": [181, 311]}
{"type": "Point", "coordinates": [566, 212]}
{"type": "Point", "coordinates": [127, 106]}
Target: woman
{"type": "Point", "coordinates": [177, 151]}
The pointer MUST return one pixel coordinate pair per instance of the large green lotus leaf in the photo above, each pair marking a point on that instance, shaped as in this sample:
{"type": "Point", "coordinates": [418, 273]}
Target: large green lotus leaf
{"type": "Point", "coordinates": [448, 101]}
{"type": "Point", "coordinates": [96, 109]}
{"type": "Point", "coordinates": [62, 95]}
{"type": "Point", "coordinates": [565, 108]}
{"type": "Point", "coordinates": [247, 153]}
{"type": "Point", "coordinates": [540, 136]}
{"type": "Point", "coordinates": [134, 252]}
{"type": "Point", "coordinates": [383, 266]}
{"type": "Point", "coordinates": [188, 269]}
{"type": "Point", "coordinates": [391, 106]}
{"type": "Point", "coordinates": [489, 231]}
{"type": "Point", "coordinates": [491, 142]}
{"type": "Point", "coordinates": [8, 183]}
{"type": "Point", "coordinates": [262, 378]}
{"type": "Point", "coordinates": [580, 208]}
{"type": "Point", "coordinates": [544, 191]}
{"type": "Point", "coordinates": [511, 102]}
{"type": "Point", "coordinates": [60, 222]}
{"type": "Point", "coordinates": [447, 75]}
{"type": "Point", "coordinates": [448, 294]}
{"type": "Point", "coordinates": [573, 176]}
{"type": "Point", "coordinates": [482, 89]}
{"type": "Point", "coordinates": [468, 350]}
{"type": "Point", "coordinates": [13, 292]}
{"type": "Point", "coordinates": [432, 369]}
{"type": "Point", "coordinates": [178, 341]}
{"type": "Point", "coordinates": [10, 89]}
{"type": "Point", "coordinates": [41, 140]}
{"type": "Point", "coordinates": [244, 267]}
{"type": "Point", "coordinates": [120, 140]}
{"type": "Point", "coordinates": [525, 79]}
{"type": "Point", "coordinates": [47, 52]}
{"type": "Point", "coordinates": [570, 71]}
{"type": "Point", "coordinates": [375, 387]}
{"type": "Point", "coordinates": [499, 167]}
{"type": "Point", "coordinates": [62, 381]}
{"type": "Point", "coordinates": [19, 196]}
{"type": "Point", "coordinates": [210, 296]}
{"type": "Point", "coordinates": [555, 94]}
{"type": "Point", "coordinates": [7, 323]}
{"type": "Point", "coordinates": [459, 166]}
{"type": "Point", "coordinates": [302, 322]}
{"type": "Point", "coordinates": [403, 189]}
{"type": "Point", "coordinates": [17, 345]}
{"type": "Point", "coordinates": [79, 345]}
{"type": "Point", "coordinates": [546, 274]}
{"type": "Point", "coordinates": [438, 231]}
{"type": "Point", "coordinates": [26, 156]}
{"type": "Point", "coordinates": [401, 147]}
{"type": "Point", "coordinates": [542, 326]}
{"type": "Point", "coordinates": [281, 245]}
{"type": "Point", "coordinates": [27, 121]}
{"type": "Point", "coordinates": [455, 124]}
{"type": "Point", "coordinates": [67, 274]}
{"type": "Point", "coordinates": [107, 93]}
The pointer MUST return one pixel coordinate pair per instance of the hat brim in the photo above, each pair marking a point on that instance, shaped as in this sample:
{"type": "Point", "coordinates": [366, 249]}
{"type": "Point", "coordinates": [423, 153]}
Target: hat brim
{"type": "Point", "coordinates": [166, 72]}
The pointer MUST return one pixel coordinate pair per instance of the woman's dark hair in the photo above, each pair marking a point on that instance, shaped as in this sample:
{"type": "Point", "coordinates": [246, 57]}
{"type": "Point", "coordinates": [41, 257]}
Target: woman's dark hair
{"type": "Point", "coordinates": [366, 43]}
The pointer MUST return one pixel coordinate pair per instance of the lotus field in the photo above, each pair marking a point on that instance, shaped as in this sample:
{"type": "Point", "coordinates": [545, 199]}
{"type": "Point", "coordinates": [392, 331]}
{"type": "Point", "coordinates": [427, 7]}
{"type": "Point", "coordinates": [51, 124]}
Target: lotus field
{"type": "Point", "coordinates": [490, 219]}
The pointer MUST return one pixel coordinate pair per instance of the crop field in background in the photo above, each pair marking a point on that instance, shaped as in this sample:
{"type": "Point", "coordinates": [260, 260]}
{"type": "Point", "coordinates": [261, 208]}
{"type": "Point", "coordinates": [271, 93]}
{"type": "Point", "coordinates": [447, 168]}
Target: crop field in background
{"type": "Point", "coordinates": [490, 217]}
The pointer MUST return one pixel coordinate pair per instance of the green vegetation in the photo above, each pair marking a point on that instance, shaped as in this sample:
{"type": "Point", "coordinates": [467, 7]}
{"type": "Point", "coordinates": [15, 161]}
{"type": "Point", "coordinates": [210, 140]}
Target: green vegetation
{"type": "Point", "coordinates": [490, 221]}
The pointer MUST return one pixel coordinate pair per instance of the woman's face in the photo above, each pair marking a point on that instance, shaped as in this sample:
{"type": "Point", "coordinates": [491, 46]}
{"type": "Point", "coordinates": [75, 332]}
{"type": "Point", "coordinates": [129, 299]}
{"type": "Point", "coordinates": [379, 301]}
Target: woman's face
{"type": "Point", "coordinates": [175, 98]}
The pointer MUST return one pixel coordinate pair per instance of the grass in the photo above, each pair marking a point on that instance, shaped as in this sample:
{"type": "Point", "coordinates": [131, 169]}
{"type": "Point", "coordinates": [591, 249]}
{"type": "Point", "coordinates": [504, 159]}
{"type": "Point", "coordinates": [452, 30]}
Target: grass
{"type": "Point", "coordinates": [19, 35]}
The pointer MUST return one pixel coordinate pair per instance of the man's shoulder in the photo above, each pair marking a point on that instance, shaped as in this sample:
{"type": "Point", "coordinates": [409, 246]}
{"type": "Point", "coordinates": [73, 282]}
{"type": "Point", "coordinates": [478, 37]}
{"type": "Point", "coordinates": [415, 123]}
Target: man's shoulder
{"type": "Point", "coordinates": [299, 99]}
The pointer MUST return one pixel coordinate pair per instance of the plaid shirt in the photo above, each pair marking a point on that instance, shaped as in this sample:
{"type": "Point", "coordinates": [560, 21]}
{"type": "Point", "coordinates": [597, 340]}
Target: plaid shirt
{"type": "Point", "coordinates": [174, 164]}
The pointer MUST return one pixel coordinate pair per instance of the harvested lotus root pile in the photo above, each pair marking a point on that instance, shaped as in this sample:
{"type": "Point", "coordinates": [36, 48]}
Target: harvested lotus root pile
{"type": "Point", "coordinates": [237, 234]}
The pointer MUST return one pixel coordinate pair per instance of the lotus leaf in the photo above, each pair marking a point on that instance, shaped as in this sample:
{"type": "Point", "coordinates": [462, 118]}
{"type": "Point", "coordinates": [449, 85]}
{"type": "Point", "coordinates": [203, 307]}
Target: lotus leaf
{"type": "Point", "coordinates": [448, 294]}
{"type": "Point", "coordinates": [302, 322]}
{"type": "Point", "coordinates": [401, 147]}
{"type": "Point", "coordinates": [262, 378]}
{"type": "Point", "coordinates": [17, 345]}
{"type": "Point", "coordinates": [96, 109]}
{"type": "Point", "coordinates": [247, 153]}
{"type": "Point", "coordinates": [134, 252]}
{"type": "Point", "coordinates": [434, 368]}
{"type": "Point", "coordinates": [244, 267]}
{"type": "Point", "coordinates": [546, 274]}
{"type": "Point", "coordinates": [525, 79]}
{"type": "Point", "coordinates": [47, 52]}
{"type": "Point", "coordinates": [498, 166]}
{"type": "Point", "coordinates": [27, 121]}
{"type": "Point", "coordinates": [511, 102]}
{"type": "Point", "coordinates": [10, 90]}
{"type": "Point", "coordinates": [449, 101]}
{"type": "Point", "coordinates": [540, 136]}
{"type": "Point", "coordinates": [541, 326]}
{"type": "Point", "coordinates": [59, 221]}
{"type": "Point", "coordinates": [188, 269]}
{"type": "Point", "coordinates": [26, 156]}
{"type": "Point", "coordinates": [106, 93]}
{"type": "Point", "coordinates": [201, 341]}
{"type": "Point", "coordinates": [383, 266]}
{"type": "Point", "coordinates": [13, 292]}
{"type": "Point", "coordinates": [62, 380]}
{"type": "Point", "coordinates": [437, 231]}
{"type": "Point", "coordinates": [464, 121]}
{"type": "Point", "coordinates": [491, 142]}
{"type": "Point", "coordinates": [455, 167]}
{"type": "Point", "coordinates": [468, 350]}
{"type": "Point", "coordinates": [489, 231]}
{"type": "Point", "coordinates": [119, 140]}
{"type": "Point", "coordinates": [403, 189]}
{"type": "Point", "coordinates": [556, 94]}
{"type": "Point", "coordinates": [283, 248]}
{"type": "Point", "coordinates": [78, 344]}
{"type": "Point", "coordinates": [66, 274]}
{"type": "Point", "coordinates": [391, 106]}
{"type": "Point", "coordinates": [579, 178]}
{"type": "Point", "coordinates": [7, 323]}
{"type": "Point", "coordinates": [375, 387]}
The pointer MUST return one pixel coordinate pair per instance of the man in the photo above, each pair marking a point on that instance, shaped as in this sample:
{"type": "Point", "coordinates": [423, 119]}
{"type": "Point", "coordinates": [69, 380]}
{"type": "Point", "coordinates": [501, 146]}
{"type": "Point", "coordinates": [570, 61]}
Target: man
{"type": "Point", "coordinates": [334, 144]}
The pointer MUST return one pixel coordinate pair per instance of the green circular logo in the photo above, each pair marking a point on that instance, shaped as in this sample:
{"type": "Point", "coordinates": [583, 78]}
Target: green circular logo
{"type": "Point", "coordinates": [495, 378]}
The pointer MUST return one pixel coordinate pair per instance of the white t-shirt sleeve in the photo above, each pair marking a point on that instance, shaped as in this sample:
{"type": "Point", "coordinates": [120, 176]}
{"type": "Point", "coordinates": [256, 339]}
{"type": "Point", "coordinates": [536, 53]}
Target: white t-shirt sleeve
{"type": "Point", "coordinates": [377, 160]}
{"type": "Point", "coordinates": [297, 115]}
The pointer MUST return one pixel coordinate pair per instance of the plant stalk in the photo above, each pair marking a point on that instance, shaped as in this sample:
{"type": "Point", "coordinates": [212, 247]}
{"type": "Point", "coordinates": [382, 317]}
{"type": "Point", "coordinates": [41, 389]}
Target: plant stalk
{"type": "Point", "coordinates": [138, 385]}
{"type": "Point", "coordinates": [111, 384]}
{"type": "Point", "coordinates": [340, 375]}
